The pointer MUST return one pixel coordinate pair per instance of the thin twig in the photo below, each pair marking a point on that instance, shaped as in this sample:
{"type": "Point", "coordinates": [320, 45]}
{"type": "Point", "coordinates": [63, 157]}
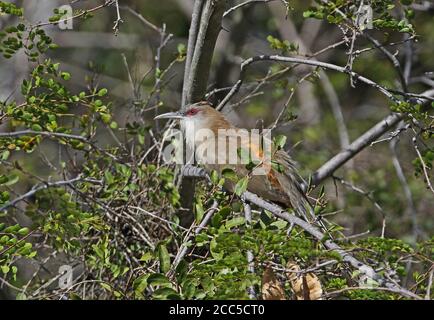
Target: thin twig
{"type": "Point", "coordinates": [411, 208]}
{"type": "Point", "coordinates": [424, 167]}
{"type": "Point", "coordinates": [118, 20]}
{"type": "Point", "coordinates": [184, 248]}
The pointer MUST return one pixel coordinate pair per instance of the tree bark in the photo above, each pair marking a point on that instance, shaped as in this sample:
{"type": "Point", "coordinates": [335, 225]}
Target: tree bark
{"type": "Point", "coordinates": [204, 29]}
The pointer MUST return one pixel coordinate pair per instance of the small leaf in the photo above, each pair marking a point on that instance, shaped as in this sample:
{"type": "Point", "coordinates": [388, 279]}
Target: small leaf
{"type": "Point", "coordinates": [280, 141]}
{"type": "Point", "coordinates": [12, 179]}
{"type": "Point", "coordinates": [229, 173]}
{"type": "Point", "coordinates": [5, 269]}
{"type": "Point", "coordinates": [106, 286]}
{"type": "Point", "coordinates": [158, 279]}
{"type": "Point", "coordinates": [23, 231]}
{"type": "Point", "coordinates": [114, 125]}
{"type": "Point", "coordinates": [65, 76]}
{"type": "Point", "coordinates": [102, 92]}
{"type": "Point", "coordinates": [235, 222]}
{"type": "Point", "coordinates": [163, 256]}
{"type": "Point", "coordinates": [146, 257]}
{"type": "Point", "coordinates": [241, 186]}
{"type": "Point", "coordinates": [199, 212]}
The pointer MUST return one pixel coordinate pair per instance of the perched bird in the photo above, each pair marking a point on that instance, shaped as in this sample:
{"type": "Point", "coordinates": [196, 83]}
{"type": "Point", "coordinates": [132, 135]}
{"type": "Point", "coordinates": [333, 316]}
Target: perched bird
{"type": "Point", "coordinates": [213, 138]}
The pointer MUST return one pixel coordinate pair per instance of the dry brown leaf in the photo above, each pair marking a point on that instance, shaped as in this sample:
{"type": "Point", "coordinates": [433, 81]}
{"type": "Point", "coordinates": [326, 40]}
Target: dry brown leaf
{"type": "Point", "coordinates": [305, 286]}
{"type": "Point", "coordinates": [271, 287]}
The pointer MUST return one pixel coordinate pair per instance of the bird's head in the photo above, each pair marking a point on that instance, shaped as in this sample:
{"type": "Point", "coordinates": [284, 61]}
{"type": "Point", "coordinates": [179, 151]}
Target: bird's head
{"type": "Point", "coordinates": [199, 115]}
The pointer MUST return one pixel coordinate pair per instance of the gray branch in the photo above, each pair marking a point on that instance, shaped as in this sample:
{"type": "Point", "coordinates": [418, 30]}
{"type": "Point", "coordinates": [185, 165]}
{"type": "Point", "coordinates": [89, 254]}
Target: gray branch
{"type": "Point", "coordinates": [204, 30]}
{"type": "Point", "coordinates": [248, 62]}
{"type": "Point", "coordinates": [354, 148]}
{"type": "Point", "coordinates": [184, 248]}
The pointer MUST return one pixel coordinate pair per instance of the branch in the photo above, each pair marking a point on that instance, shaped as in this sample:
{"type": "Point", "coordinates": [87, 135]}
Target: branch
{"type": "Point", "coordinates": [204, 30]}
{"type": "Point", "coordinates": [250, 256]}
{"type": "Point", "coordinates": [424, 166]}
{"type": "Point", "coordinates": [43, 186]}
{"type": "Point", "coordinates": [57, 135]}
{"type": "Point", "coordinates": [192, 35]}
{"type": "Point", "coordinates": [246, 63]}
{"type": "Point", "coordinates": [42, 133]}
{"type": "Point", "coordinates": [242, 4]}
{"type": "Point", "coordinates": [141, 18]}
{"type": "Point", "coordinates": [411, 207]}
{"type": "Point", "coordinates": [354, 148]}
{"type": "Point", "coordinates": [184, 248]}
{"type": "Point", "coordinates": [118, 20]}
{"type": "Point", "coordinates": [78, 15]}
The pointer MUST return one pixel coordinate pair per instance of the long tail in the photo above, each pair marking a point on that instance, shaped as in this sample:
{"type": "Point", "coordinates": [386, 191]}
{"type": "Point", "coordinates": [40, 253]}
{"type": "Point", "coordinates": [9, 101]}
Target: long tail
{"type": "Point", "coordinates": [293, 184]}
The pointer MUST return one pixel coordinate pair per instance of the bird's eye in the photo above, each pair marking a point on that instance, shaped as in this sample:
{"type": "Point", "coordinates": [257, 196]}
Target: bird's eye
{"type": "Point", "coordinates": [192, 112]}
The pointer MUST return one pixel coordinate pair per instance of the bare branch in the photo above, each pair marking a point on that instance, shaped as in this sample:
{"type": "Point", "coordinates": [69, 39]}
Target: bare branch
{"type": "Point", "coordinates": [118, 20]}
{"type": "Point", "coordinates": [43, 186]}
{"type": "Point", "coordinates": [424, 167]}
{"type": "Point", "coordinates": [411, 208]}
{"type": "Point", "coordinates": [141, 18]}
{"type": "Point", "coordinates": [242, 4]}
{"type": "Point", "coordinates": [200, 50]}
{"type": "Point", "coordinates": [246, 63]}
{"type": "Point", "coordinates": [354, 148]}
{"type": "Point", "coordinates": [184, 248]}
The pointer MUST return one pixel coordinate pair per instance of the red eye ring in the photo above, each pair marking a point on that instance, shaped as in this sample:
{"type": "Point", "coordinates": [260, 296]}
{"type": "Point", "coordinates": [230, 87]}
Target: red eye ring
{"type": "Point", "coordinates": [192, 112]}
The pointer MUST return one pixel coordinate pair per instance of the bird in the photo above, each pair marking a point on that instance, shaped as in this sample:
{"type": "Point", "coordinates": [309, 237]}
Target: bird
{"type": "Point", "coordinates": [212, 135]}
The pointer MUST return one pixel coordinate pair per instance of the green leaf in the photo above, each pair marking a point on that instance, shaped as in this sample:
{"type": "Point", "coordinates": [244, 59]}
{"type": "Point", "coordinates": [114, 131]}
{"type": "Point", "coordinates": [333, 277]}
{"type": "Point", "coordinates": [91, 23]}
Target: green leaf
{"type": "Point", "coordinates": [65, 76]}
{"type": "Point", "coordinates": [235, 222]}
{"type": "Point", "coordinates": [141, 283]}
{"type": "Point", "coordinates": [230, 174]}
{"type": "Point", "coordinates": [158, 279]}
{"type": "Point", "coordinates": [23, 231]}
{"type": "Point", "coordinates": [106, 118]}
{"type": "Point", "coordinates": [5, 269]}
{"type": "Point", "coordinates": [166, 293]}
{"type": "Point", "coordinates": [199, 212]}
{"type": "Point", "coordinates": [12, 179]}
{"type": "Point", "coordinates": [280, 141]}
{"type": "Point", "coordinates": [241, 186]}
{"type": "Point", "coordinates": [214, 177]}
{"type": "Point", "coordinates": [216, 254]}
{"type": "Point", "coordinates": [36, 127]}
{"type": "Point", "coordinates": [163, 256]}
{"type": "Point", "coordinates": [146, 257]}
{"type": "Point", "coordinates": [106, 286]}
{"type": "Point", "coordinates": [5, 155]}
{"type": "Point", "coordinates": [102, 92]}
{"type": "Point", "coordinates": [114, 125]}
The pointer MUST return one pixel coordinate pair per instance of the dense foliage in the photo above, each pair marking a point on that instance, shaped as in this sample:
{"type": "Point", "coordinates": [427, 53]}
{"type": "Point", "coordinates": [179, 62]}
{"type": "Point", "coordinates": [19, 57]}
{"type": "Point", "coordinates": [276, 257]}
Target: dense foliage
{"type": "Point", "coordinates": [82, 181]}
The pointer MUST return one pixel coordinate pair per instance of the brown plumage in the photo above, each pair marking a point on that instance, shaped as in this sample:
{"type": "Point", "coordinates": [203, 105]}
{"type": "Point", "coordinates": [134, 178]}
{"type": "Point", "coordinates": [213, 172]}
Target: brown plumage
{"type": "Point", "coordinates": [202, 126]}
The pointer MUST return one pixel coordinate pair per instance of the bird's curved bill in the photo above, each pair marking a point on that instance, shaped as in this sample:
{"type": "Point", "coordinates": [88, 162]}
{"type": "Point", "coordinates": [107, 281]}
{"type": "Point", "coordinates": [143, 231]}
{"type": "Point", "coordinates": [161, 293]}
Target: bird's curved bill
{"type": "Point", "coordinates": [170, 115]}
